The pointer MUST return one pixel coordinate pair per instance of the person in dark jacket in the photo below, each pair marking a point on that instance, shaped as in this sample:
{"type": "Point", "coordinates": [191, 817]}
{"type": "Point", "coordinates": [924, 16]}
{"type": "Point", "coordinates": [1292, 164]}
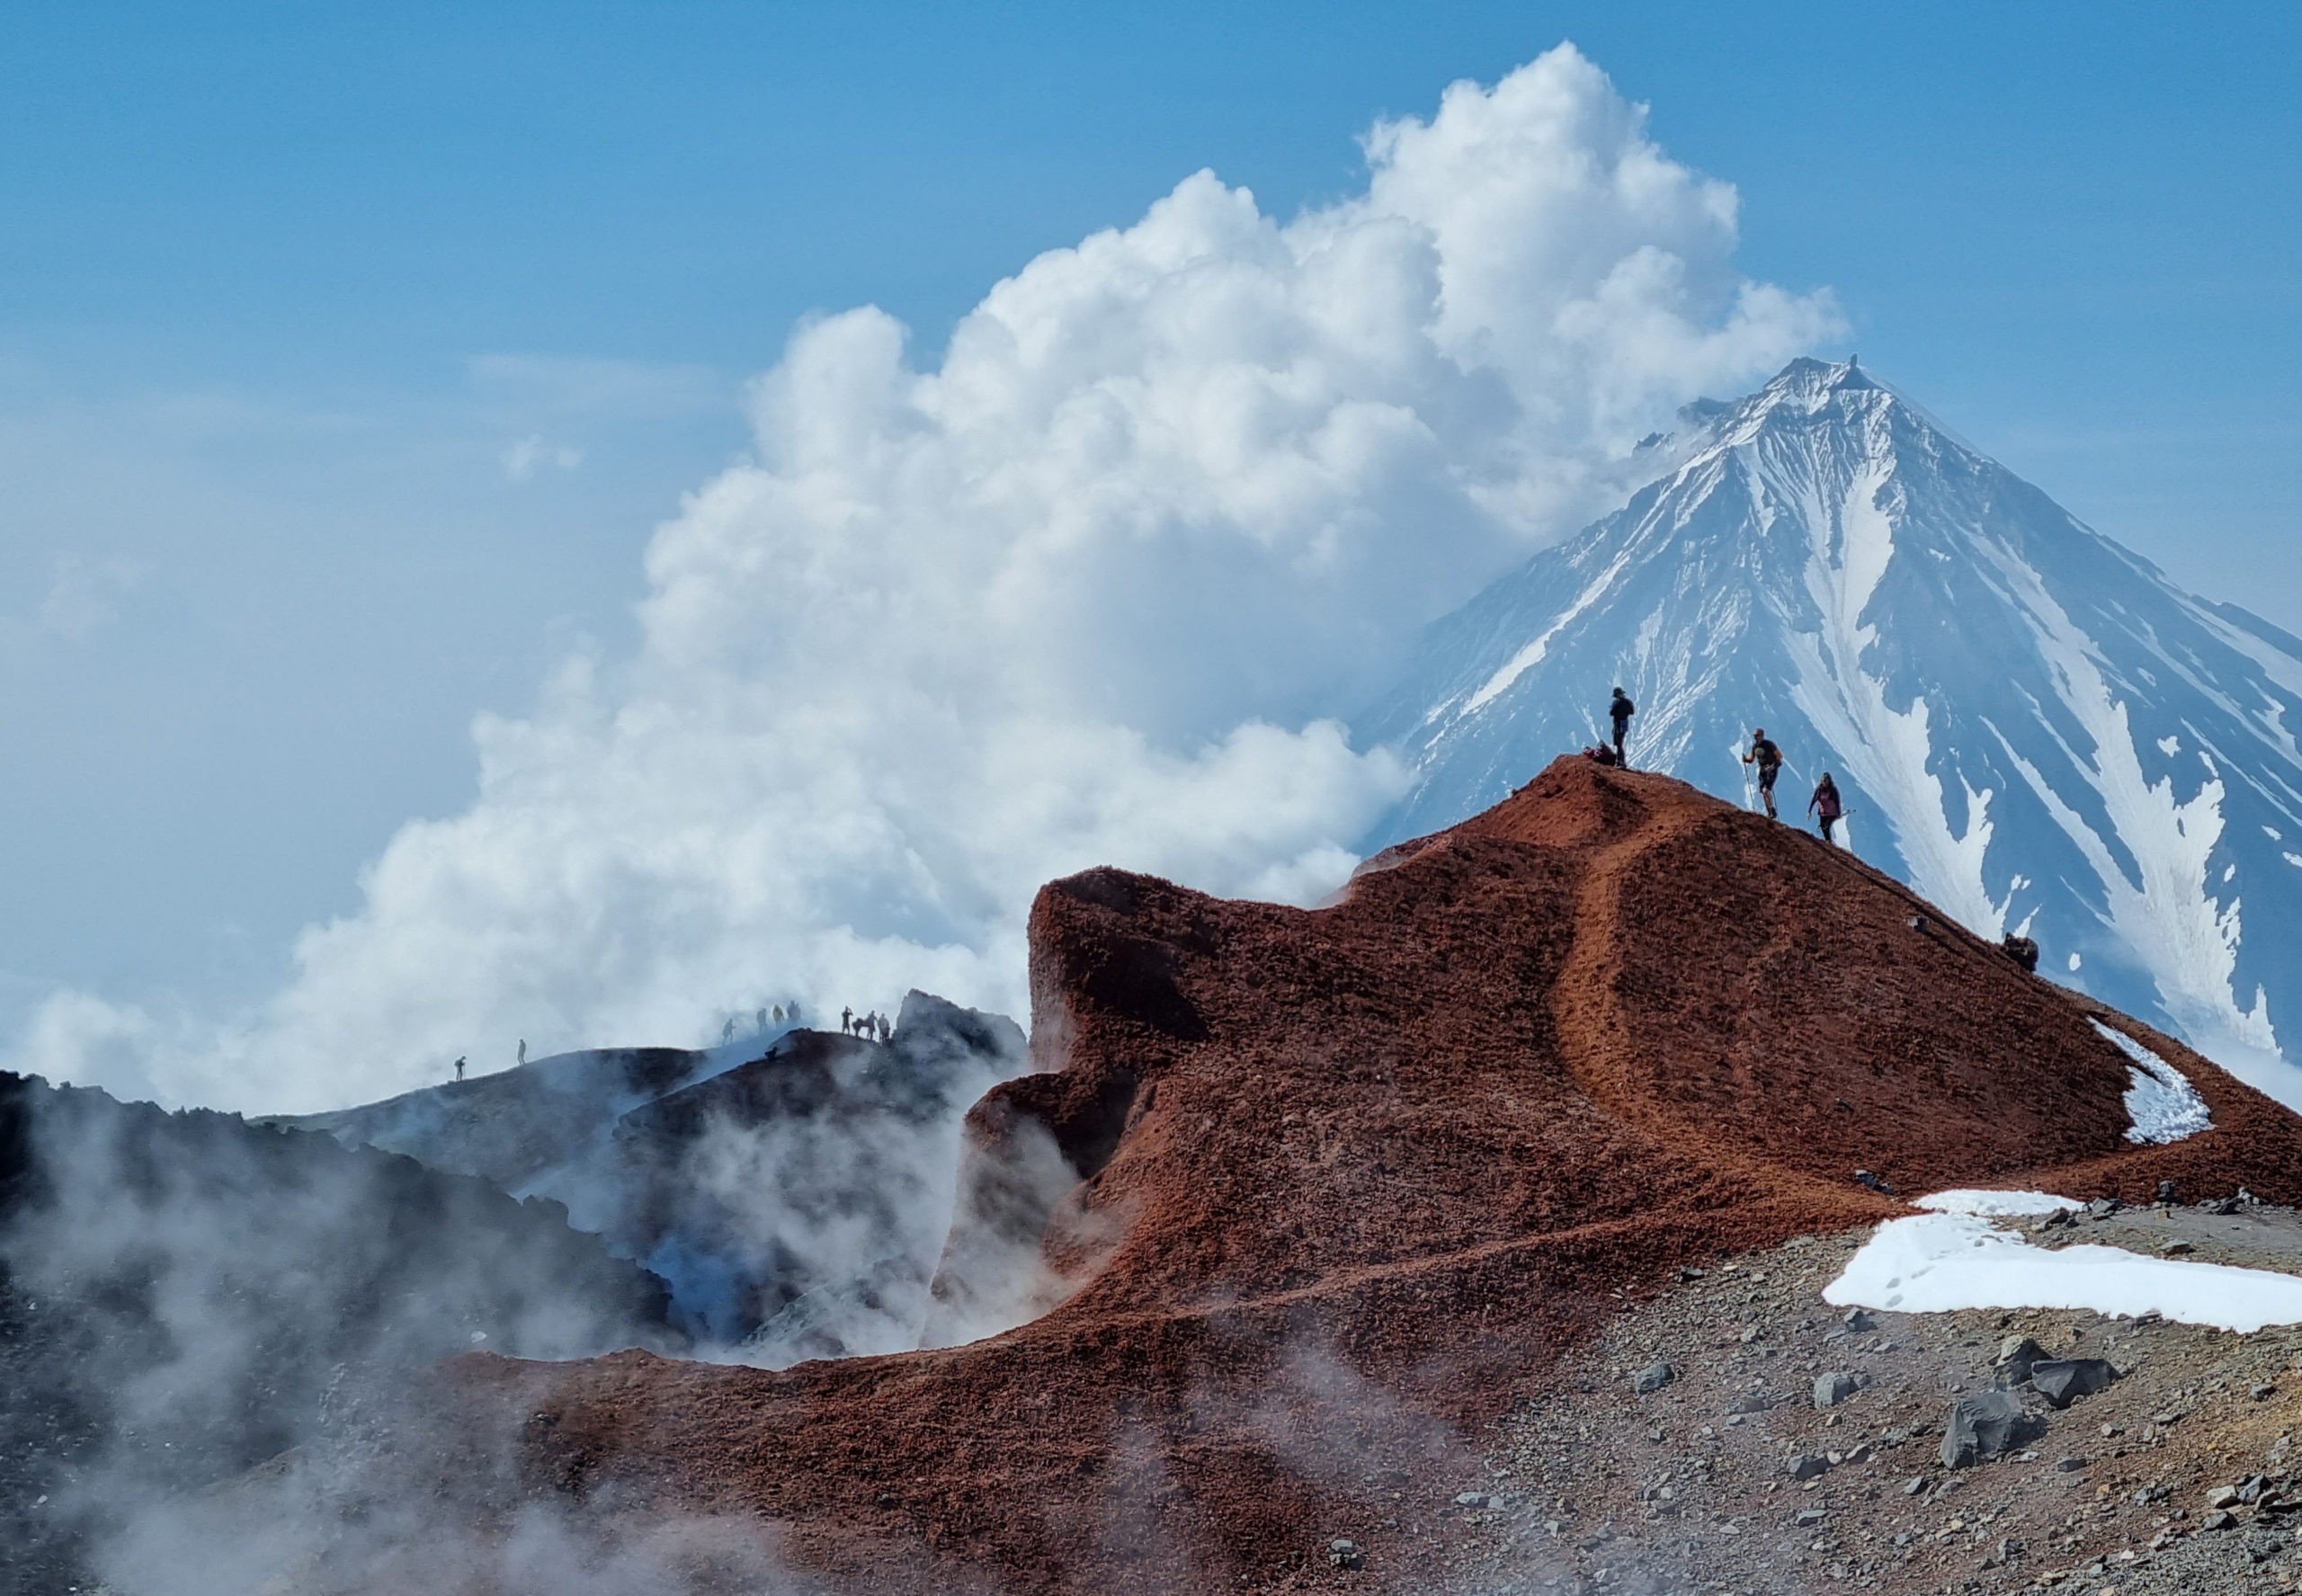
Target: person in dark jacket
{"type": "Point", "coordinates": [1619, 711]}
{"type": "Point", "coordinates": [1828, 809]}
{"type": "Point", "coordinates": [1768, 758]}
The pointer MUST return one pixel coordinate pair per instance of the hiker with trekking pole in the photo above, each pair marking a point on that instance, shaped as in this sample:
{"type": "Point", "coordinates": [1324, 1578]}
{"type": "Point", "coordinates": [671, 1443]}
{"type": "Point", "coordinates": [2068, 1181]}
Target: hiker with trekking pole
{"type": "Point", "coordinates": [1828, 808]}
{"type": "Point", "coordinates": [1768, 758]}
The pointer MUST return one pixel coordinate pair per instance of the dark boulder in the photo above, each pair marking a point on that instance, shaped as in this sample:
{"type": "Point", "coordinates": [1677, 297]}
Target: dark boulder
{"type": "Point", "coordinates": [2064, 1380]}
{"type": "Point", "coordinates": [2017, 1356]}
{"type": "Point", "coordinates": [1986, 1425]}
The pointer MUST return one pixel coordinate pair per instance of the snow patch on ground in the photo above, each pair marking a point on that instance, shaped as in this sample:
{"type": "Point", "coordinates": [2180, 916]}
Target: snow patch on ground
{"type": "Point", "coordinates": [1940, 1263]}
{"type": "Point", "coordinates": [1977, 1204]}
{"type": "Point", "coordinates": [2162, 1103]}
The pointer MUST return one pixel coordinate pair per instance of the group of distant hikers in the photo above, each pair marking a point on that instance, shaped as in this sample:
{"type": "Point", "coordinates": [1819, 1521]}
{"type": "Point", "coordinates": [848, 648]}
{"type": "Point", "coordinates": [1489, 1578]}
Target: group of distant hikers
{"type": "Point", "coordinates": [1765, 757]}
{"type": "Point", "coordinates": [872, 1026]}
{"type": "Point", "coordinates": [1762, 754]}
{"type": "Point", "coordinates": [774, 1013]}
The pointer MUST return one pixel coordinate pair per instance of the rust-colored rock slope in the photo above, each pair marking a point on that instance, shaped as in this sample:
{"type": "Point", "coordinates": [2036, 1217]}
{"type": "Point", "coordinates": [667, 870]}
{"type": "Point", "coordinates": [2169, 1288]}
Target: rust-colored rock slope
{"type": "Point", "coordinates": [1349, 1179]}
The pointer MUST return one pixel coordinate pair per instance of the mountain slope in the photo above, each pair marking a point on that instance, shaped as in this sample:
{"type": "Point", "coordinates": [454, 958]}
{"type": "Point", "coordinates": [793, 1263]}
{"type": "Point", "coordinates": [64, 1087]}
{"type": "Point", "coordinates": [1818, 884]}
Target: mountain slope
{"type": "Point", "coordinates": [1335, 1180]}
{"type": "Point", "coordinates": [2031, 725]}
{"type": "Point", "coordinates": [791, 1187]}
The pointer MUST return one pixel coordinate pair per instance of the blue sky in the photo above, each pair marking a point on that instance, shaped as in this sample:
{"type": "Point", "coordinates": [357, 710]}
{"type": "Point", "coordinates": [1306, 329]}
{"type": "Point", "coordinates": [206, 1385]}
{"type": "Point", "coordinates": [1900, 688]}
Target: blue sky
{"type": "Point", "coordinates": [348, 355]}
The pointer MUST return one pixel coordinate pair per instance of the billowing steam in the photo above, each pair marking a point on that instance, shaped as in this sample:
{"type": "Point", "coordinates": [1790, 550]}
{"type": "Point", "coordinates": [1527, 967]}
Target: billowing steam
{"type": "Point", "coordinates": [1077, 590]}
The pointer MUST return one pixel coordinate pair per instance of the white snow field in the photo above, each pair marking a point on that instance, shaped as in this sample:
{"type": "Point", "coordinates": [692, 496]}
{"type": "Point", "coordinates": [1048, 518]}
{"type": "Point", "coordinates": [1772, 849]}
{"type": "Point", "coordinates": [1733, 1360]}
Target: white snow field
{"type": "Point", "coordinates": [2162, 1103]}
{"type": "Point", "coordinates": [2031, 724]}
{"type": "Point", "coordinates": [1995, 1204]}
{"type": "Point", "coordinates": [1957, 1258]}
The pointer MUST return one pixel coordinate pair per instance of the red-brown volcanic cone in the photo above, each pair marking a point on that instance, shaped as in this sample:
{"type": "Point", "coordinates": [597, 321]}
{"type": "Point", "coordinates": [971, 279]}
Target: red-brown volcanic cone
{"type": "Point", "coordinates": [1347, 1177]}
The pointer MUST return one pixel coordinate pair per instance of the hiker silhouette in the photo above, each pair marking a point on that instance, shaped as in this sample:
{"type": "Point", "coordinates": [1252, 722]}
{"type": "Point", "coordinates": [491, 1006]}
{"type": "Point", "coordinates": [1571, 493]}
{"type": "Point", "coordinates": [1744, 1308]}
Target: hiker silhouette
{"type": "Point", "coordinates": [1619, 710]}
{"type": "Point", "coordinates": [1827, 807]}
{"type": "Point", "coordinates": [1768, 758]}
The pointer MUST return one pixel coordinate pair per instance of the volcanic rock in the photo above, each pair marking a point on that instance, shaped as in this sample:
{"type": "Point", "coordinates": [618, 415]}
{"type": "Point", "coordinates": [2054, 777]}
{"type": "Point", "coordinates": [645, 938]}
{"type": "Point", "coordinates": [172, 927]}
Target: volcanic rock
{"type": "Point", "coordinates": [1983, 1426]}
{"type": "Point", "coordinates": [2064, 1380]}
{"type": "Point", "coordinates": [2016, 1355]}
{"type": "Point", "coordinates": [1830, 1389]}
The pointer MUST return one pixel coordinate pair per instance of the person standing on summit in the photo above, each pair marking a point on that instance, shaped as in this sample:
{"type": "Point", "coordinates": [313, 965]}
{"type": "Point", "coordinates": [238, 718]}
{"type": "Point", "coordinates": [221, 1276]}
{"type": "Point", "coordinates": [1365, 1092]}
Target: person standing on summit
{"type": "Point", "coordinates": [1621, 711]}
{"type": "Point", "coordinates": [1768, 758]}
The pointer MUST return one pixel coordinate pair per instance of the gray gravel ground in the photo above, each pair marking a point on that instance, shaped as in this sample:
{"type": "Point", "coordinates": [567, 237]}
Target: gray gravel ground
{"type": "Point", "coordinates": [1693, 1488]}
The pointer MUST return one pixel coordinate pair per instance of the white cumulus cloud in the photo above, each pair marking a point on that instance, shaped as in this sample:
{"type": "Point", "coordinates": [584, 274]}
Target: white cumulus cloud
{"type": "Point", "coordinates": [1080, 591]}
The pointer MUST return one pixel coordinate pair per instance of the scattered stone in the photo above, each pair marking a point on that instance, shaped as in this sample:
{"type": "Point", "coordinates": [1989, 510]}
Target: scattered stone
{"type": "Point", "coordinates": [2174, 1246]}
{"type": "Point", "coordinates": [2059, 1219]}
{"type": "Point", "coordinates": [1808, 1466]}
{"type": "Point", "coordinates": [2070, 1465]}
{"type": "Point", "coordinates": [2263, 1393]}
{"type": "Point", "coordinates": [1830, 1389]}
{"type": "Point", "coordinates": [2222, 1496]}
{"type": "Point", "coordinates": [1879, 1184]}
{"type": "Point", "coordinates": [1470, 1499]}
{"type": "Point", "coordinates": [2169, 1193]}
{"type": "Point", "coordinates": [1917, 1484]}
{"type": "Point", "coordinates": [2064, 1380]}
{"type": "Point", "coordinates": [1809, 1518]}
{"type": "Point", "coordinates": [1983, 1426]}
{"type": "Point", "coordinates": [1345, 1554]}
{"type": "Point", "coordinates": [2016, 1355]}
{"type": "Point", "coordinates": [2218, 1521]}
{"type": "Point", "coordinates": [1687, 1271]}
{"type": "Point", "coordinates": [2102, 1208]}
{"type": "Point", "coordinates": [1653, 1378]}
{"type": "Point", "coordinates": [1858, 1322]}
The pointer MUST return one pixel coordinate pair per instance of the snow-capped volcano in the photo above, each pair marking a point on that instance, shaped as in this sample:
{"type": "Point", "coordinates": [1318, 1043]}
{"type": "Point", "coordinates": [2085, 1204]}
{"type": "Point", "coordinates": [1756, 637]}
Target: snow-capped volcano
{"type": "Point", "coordinates": [2031, 724]}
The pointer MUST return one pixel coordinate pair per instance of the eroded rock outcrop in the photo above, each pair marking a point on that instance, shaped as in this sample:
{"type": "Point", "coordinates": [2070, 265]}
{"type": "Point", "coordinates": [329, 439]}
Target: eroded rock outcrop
{"type": "Point", "coordinates": [1326, 1184]}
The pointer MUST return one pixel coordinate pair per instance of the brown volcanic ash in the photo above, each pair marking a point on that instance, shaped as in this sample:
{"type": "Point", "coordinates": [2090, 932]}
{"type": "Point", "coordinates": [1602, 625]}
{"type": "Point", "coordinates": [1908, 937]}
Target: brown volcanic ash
{"type": "Point", "coordinates": [1347, 1178]}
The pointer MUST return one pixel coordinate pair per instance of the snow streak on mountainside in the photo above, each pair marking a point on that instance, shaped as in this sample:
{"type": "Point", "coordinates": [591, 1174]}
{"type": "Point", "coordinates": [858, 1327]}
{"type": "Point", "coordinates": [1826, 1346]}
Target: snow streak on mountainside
{"type": "Point", "coordinates": [2031, 724]}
